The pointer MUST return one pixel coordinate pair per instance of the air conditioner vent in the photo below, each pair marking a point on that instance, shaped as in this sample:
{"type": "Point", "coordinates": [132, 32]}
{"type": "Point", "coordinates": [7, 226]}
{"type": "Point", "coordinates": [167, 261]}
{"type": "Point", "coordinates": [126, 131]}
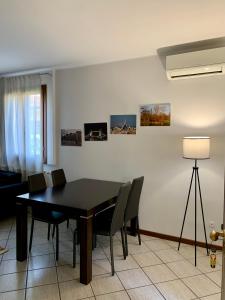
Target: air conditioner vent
{"type": "Point", "coordinates": [196, 64]}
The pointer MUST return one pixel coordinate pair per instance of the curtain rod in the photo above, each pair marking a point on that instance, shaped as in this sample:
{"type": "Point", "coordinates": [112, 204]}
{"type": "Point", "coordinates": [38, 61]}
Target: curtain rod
{"type": "Point", "coordinates": [30, 72]}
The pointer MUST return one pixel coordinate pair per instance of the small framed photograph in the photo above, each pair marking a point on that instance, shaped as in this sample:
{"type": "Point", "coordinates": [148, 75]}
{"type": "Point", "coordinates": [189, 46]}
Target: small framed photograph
{"type": "Point", "coordinates": [123, 124]}
{"type": "Point", "coordinates": [95, 132]}
{"type": "Point", "coordinates": [71, 137]}
{"type": "Point", "coordinates": [155, 114]}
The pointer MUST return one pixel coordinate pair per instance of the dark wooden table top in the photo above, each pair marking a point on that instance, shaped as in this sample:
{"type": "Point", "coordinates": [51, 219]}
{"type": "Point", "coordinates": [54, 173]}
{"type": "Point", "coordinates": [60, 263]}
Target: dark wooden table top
{"type": "Point", "coordinates": [83, 195]}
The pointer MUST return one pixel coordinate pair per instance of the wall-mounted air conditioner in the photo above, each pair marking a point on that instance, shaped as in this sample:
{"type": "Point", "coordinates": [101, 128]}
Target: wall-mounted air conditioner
{"type": "Point", "coordinates": [196, 64]}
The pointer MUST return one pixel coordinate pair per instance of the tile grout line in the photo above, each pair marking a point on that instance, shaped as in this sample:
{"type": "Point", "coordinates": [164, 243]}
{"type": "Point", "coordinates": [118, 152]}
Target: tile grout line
{"type": "Point", "coordinates": [202, 273]}
{"type": "Point", "coordinates": [92, 274]}
{"type": "Point", "coordinates": [191, 288]}
{"type": "Point", "coordinates": [213, 280]}
{"type": "Point", "coordinates": [116, 272]}
{"type": "Point", "coordinates": [28, 261]}
{"type": "Point", "coordinates": [139, 267]}
{"type": "Point", "coordinates": [92, 289]}
{"type": "Point", "coordinates": [30, 257]}
{"type": "Point", "coordinates": [178, 278]}
{"type": "Point", "coordinates": [56, 269]}
{"type": "Point", "coordinates": [10, 230]}
{"type": "Point", "coordinates": [159, 264]}
{"type": "Point", "coordinates": [14, 272]}
{"type": "Point", "coordinates": [148, 276]}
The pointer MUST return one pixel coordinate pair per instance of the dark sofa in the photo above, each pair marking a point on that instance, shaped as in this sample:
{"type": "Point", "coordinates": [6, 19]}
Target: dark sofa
{"type": "Point", "coordinates": [11, 185]}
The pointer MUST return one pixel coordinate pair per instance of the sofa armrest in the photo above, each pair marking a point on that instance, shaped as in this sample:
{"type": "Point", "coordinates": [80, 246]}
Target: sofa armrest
{"type": "Point", "coordinates": [14, 189]}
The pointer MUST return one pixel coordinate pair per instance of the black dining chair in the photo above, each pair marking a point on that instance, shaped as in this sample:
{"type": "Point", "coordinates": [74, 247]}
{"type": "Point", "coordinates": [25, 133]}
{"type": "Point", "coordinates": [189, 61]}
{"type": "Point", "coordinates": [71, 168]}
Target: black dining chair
{"type": "Point", "coordinates": [109, 224]}
{"type": "Point", "coordinates": [37, 184]}
{"type": "Point", "coordinates": [132, 208]}
{"type": "Point", "coordinates": [58, 177]}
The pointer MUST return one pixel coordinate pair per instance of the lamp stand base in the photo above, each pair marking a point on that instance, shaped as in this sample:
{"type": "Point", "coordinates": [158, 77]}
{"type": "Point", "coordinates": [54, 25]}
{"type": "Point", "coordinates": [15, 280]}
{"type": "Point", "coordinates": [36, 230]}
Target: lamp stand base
{"type": "Point", "coordinates": [197, 186]}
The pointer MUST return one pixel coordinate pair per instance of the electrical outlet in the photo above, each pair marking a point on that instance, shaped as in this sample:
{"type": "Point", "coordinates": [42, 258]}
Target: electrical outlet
{"type": "Point", "coordinates": [211, 224]}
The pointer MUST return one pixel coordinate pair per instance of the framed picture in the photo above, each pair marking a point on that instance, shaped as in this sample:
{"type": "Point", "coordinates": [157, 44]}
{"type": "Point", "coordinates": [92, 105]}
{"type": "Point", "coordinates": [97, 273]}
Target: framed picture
{"type": "Point", "coordinates": [95, 132]}
{"type": "Point", "coordinates": [155, 114]}
{"type": "Point", "coordinates": [123, 124]}
{"type": "Point", "coordinates": [71, 137]}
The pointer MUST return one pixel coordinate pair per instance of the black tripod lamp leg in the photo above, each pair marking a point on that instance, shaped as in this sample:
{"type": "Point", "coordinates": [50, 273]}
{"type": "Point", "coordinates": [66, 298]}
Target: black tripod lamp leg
{"type": "Point", "coordinates": [186, 209]}
{"type": "Point", "coordinates": [203, 218]}
{"type": "Point", "coordinates": [195, 213]}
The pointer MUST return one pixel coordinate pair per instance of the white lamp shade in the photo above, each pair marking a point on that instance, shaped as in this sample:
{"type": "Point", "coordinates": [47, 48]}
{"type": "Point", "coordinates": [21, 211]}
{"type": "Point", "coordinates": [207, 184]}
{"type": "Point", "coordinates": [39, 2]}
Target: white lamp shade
{"type": "Point", "coordinates": [196, 147]}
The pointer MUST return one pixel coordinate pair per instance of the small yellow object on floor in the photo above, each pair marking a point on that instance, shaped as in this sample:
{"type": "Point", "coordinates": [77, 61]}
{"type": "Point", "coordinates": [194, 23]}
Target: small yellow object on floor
{"type": "Point", "coordinates": [3, 250]}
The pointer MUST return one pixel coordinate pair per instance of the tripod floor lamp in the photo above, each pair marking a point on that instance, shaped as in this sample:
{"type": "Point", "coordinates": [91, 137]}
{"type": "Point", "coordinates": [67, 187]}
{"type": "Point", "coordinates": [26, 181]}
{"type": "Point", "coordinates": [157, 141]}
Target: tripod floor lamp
{"type": "Point", "coordinates": [195, 148]}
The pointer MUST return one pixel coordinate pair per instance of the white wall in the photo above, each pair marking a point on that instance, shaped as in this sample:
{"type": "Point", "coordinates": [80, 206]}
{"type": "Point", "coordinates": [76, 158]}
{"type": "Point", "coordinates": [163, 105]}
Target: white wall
{"type": "Point", "coordinates": [91, 94]}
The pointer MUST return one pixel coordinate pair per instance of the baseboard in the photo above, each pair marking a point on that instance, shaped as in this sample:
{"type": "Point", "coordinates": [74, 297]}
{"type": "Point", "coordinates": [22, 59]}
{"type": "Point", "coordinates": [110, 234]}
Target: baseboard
{"type": "Point", "coordinates": [176, 239]}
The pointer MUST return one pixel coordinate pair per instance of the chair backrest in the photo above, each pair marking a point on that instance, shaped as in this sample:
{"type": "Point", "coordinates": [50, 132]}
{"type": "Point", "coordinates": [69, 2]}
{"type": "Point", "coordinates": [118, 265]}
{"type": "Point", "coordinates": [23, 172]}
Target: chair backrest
{"type": "Point", "coordinates": [133, 201]}
{"type": "Point", "coordinates": [118, 214]}
{"type": "Point", "coordinates": [58, 177]}
{"type": "Point", "coordinates": [36, 183]}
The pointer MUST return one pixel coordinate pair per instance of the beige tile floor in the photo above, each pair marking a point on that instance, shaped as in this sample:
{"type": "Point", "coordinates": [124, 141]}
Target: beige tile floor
{"type": "Point", "coordinates": [155, 270]}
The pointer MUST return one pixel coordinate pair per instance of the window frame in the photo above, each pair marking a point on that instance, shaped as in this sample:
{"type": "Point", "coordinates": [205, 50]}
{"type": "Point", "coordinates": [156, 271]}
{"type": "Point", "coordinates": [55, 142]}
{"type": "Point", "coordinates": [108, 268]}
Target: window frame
{"type": "Point", "coordinates": [44, 121]}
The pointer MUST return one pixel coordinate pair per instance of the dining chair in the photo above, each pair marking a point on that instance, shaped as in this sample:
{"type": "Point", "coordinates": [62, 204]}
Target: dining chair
{"type": "Point", "coordinates": [37, 184]}
{"type": "Point", "coordinates": [132, 208]}
{"type": "Point", "coordinates": [109, 224]}
{"type": "Point", "coordinates": [58, 177]}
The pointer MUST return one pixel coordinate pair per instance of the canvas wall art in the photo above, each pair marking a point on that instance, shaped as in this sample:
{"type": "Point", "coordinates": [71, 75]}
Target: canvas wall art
{"type": "Point", "coordinates": [155, 114]}
{"type": "Point", "coordinates": [95, 132]}
{"type": "Point", "coordinates": [71, 137]}
{"type": "Point", "coordinates": [123, 124]}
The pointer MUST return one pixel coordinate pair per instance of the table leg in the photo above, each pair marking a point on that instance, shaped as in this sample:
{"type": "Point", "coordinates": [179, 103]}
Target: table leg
{"type": "Point", "coordinates": [133, 226]}
{"type": "Point", "coordinates": [21, 231]}
{"type": "Point", "coordinates": [86, 249]}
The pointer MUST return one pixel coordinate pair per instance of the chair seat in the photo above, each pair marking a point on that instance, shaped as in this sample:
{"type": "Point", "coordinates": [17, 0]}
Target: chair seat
{"type": "Point", "coordinates": [53, 217]}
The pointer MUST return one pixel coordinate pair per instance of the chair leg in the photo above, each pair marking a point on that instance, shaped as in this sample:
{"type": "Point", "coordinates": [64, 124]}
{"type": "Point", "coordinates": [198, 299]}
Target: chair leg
{"type": "Point", "coordinates": [125, 233]}
{"type": "Point", "coordinates": [74, 248]}
{"type": "Point", "coordinates": [123, 244]}
{"type": "Point", "coordinates": [49, 229]}
{"type": "Point", "coordinates": [53, 231]}
{"type": "Point", "coordinates": [57, 241]}
{"type": "Point", "coordinates": [94, 241]}
{"type": "Point", "coordinates": [31, 234]}
{"type": "Point", "coordinates": [94, 236]}
{"type": "Point", "coordinates": [111, 253]}
{"type": "Point", "coordinates": [68, 222]}
{"type": "Point", "coordinates": [78, 231]}
{"type": "Point", "coordinates": [138, 232]}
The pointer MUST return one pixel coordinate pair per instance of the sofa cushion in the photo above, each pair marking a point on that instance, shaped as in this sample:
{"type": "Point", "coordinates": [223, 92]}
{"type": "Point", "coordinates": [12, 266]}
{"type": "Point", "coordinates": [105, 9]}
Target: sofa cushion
{"type": "Point", "coordinates": [7, 177]}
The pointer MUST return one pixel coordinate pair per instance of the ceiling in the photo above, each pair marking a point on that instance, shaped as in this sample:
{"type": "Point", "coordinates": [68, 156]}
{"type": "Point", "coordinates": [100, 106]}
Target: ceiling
{"type": "Point", "coordinates": [39, 34]}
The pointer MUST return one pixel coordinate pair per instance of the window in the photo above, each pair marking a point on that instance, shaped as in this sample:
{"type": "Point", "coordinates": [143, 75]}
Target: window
{"type": "Point", "coordinates": [37, 112]}
{"type": "Point", "coordinates": [24, 123]}
{"type": "Point", "coordinates": [34, 119]}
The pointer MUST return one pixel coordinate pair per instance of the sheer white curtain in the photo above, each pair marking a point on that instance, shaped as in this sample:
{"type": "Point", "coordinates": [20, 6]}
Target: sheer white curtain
{"type": "Point", "coordinates": [23, 123]}
{"type": "Point", "coordinates": [3, 164]}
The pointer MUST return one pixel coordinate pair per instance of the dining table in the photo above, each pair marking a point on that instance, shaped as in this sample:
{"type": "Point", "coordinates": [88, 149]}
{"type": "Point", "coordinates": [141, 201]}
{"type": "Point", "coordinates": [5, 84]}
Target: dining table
{"type": "Point", "coordinates": [80, 199]}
